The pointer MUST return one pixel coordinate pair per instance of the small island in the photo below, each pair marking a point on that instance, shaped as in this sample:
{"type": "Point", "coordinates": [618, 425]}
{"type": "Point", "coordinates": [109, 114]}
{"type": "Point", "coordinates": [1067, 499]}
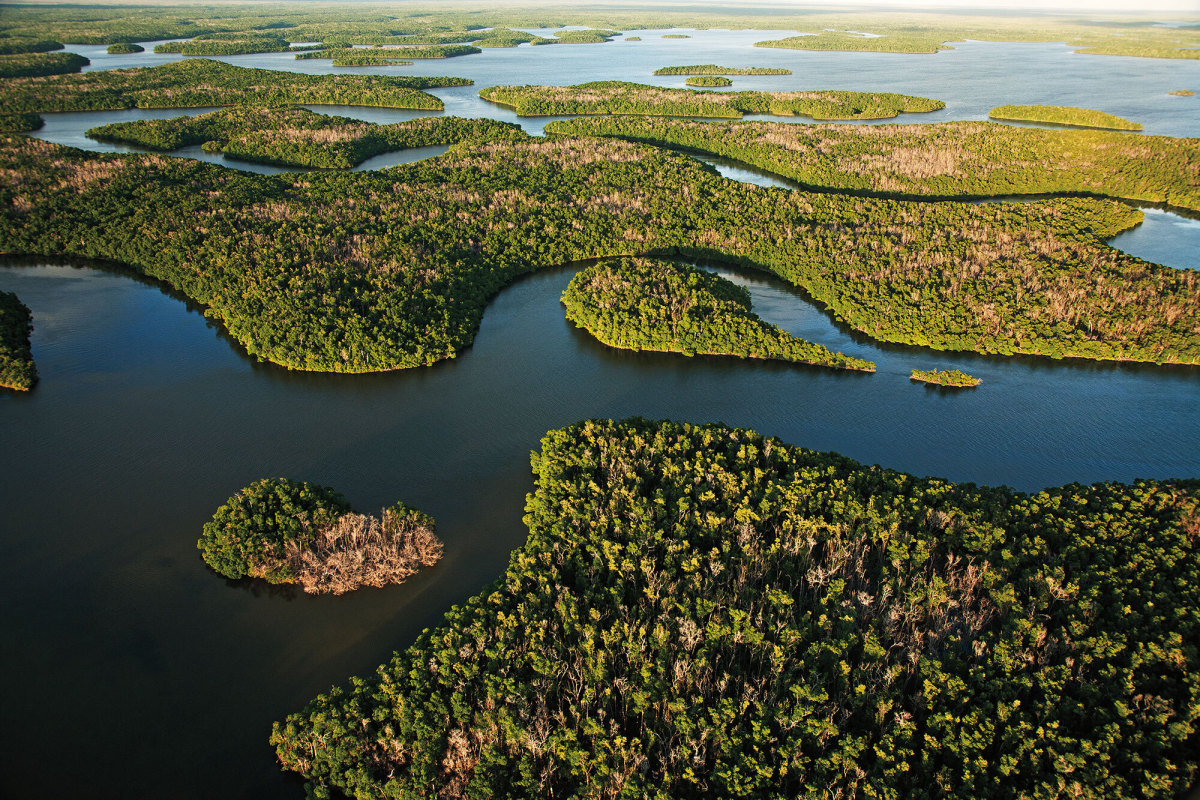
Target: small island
{"type": "Point", "coordinates": [676, 36]}
{"type": "Point", "coordinates": [17, 370]}
{"type": "Point", "coordinates": [1182, 93]}
{"type": "Point", "coordinates": [124, 49]}
{"type": "Point", "coordinates": [590, 36]}
{"type": "Point", "coordinates": [1064, 115]}
{"type": "Point", "coordinates": [708, 80]}
{"type": "Point", "coordinates": [950, 378]}
{"type": "Point", "coordinates": [286, 531]}
{"type": "Point", "coordinates": [713, 69]}
{"type": "Point", "coordinates": [624, 97]}
{"type": "Point", "coordinates": [36, 65]}
{"type": "Point", "coordinates": [383, 56]}
{"type": "Point", "coordinates": [647, 304]}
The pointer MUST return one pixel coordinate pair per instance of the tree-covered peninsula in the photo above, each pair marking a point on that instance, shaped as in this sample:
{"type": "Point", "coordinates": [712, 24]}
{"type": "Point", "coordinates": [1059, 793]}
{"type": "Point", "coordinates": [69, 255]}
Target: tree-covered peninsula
{"type": "Point", "coordinates": [32, 65]}
{"type": "Point", "coordinates": [652, 304]}
{"type": "Point", "coordinates": [20, 123]}
{"type": "Point", "coordinates": [942, 160]}
{"type": "Point", "coordinates": [227, 44]}
{"type": "Point", "coordinates": [622, 97]}
{"type": "Point", "coordinates": [17, 370]}
{"type": "Point", "coordinates": [294, 136]}
{"type": "Point", "coordinates": [1064, 115]}
{"type": "Point", "coordinates": [286, 531]}
{"type": "Point", "coordinates": [358, 272]}
{"type": "Point", "coordinates": [204, 82]}
{"type": "Point", "coordinates": [705, 612]}
{"type": "Point", "coordinates": [348, 57]}
{"type": "Point", "coordinates": [953, 378]}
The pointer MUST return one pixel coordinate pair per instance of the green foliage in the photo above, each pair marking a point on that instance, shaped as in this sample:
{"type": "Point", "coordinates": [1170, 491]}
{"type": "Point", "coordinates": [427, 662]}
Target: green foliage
{"type": "Point", "coordinates": [27, 65]}
{"type": "Point", "coordinates": [20, 123]}
{"type": "Point", "coordinates": [1064, 115]}
{"type": "Point", "coordinates": [11, 46]}
{"type": "Point", "coordinates": [216, 45]}
{"type": "Point", "coordinates": [850, 40]}
{"type": "Point", "coordinates": [703, 612]}
{"type": "Point", "coordinates": [584, 37]}
{"type": "Point", "coordinates": [622, 97]}
{"type": "Point", "coordinates": [125, 48]}
{"type": "Point", "coordinates": [713, 69]}
{"type": "Point", "coordinates": [358, 272]}
{"type": "Point", "coordinates": [945, 377]}
{"type": "Point", "coordinates": [708, 80]}
{"type": "Point", "coordinates": [676, 36]}
{"type": "Point", "coordinates": [358, 57]}
{"type": "Point", "coordinates": [202, 82]}
{"type": "Point", "coordinates": [641, 304]}
{"type": "Point", "coordinates": [947, 160]}
{"type": "Point", "coordinates": [17, 370]}
{"type": "Point", "coordinates": [293, 136]}
{"type": "Point", "coordinates": [249, 534]}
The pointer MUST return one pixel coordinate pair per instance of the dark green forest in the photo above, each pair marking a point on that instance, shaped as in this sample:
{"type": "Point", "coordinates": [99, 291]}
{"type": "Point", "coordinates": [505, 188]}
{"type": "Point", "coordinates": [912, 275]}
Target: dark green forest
{"type": "Point", "coordinates": [956, 379]}
{"type": "Point", "coordinates": [646, 304]}
{"type": "Point", "coordinates": [364, 272]}
{"type": "Point", "coordinates": [294, 136]}
{"type": "Point", "coordinates": [202, 82]}
{"type": "Point", "coordinates": [941, 160]}
{"type": "Point", "coordinates": [31, 65]}
{"type": "Point", "coordinates": [708, 80]}
{"type": "Point", "coordinates": [705, 612]}
{"type": "Point", "coordinates": [623, 97]}
{"type": "Point", "coordinates": [17, 370]}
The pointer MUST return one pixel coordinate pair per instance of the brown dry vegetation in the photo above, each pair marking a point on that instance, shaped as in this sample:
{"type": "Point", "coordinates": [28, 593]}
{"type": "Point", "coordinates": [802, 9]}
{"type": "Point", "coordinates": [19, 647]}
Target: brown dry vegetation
{"type": "Point", "coordinates": [360, 550]}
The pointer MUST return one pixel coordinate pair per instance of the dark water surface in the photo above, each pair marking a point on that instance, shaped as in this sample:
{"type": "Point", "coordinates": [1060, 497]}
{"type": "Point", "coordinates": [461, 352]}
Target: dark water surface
{"type": "Point", "coordinates": [132, 671]}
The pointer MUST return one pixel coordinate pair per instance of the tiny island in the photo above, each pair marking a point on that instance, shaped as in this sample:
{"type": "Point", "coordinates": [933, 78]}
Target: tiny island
{"type": "Point", "coordinates": [124, 49]}
{"type": "Point", "coordinates": [714, 69]}
{"type": "Point", "coordinates": [951, 378]}
{"type": "Point", "coordinates": [708, 80]}
{"type": "Point", "coordinates": [286, 531]}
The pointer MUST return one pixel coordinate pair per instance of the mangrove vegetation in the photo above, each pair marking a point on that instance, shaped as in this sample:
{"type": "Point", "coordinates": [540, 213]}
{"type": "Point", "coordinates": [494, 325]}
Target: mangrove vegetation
{"type": "Point", "coordinates": [124, 49]}
{"type": "Point", "coordinates": [32, 65]}
{"type": "Point", "coordinates": [204, 82]}
{"type": "Point", "coordinates": [945, 377]}
{"type": "Point", "coordinates": [17, 370]}
{"type": "Point", "coordinates": [941, 160]}
{"type": "Point", "coordinates": [286, 531]}
{"type": "Point", "coordinates": [1064, 115]}
{"type": "Point", "coordinates": [622, 97]}
{"type": "Point", "coordinates": [713, 69]}
{"type": "Point", "coordinates": [646, 304]}
{"type": "Point", "coordinates": [708, 80]}
{"type": "Point", "coordinates": [292, 136]}
{"type": "Point", "coordinates": [357, 272]}
{"type": "Point", "coordinates": [706, 612]}
{"type": "Point", "coordinates": [346, 57]}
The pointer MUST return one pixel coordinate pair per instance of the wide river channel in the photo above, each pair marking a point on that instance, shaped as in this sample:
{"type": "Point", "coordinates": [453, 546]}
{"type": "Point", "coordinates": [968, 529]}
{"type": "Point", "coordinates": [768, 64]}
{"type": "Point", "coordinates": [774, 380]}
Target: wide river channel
{"type": "Point", "coordinates": [133, 671]}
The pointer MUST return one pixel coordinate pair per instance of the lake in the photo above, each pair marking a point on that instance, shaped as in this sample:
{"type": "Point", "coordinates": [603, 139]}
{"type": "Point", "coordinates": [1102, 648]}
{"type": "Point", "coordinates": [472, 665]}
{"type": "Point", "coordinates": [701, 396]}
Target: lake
{"type": "Point", "coordinates": [134, 671]}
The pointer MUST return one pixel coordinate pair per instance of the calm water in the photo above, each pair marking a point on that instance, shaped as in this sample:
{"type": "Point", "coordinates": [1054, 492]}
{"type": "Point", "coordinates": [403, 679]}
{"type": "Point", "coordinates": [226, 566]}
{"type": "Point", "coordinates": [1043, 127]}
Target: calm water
{"type": "Point", "coordinates": [134, 672]}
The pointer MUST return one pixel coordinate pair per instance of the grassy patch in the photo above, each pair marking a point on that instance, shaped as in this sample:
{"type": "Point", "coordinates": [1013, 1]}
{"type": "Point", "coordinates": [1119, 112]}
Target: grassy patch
{"type": "Point", "coordinates": [1064, 115]}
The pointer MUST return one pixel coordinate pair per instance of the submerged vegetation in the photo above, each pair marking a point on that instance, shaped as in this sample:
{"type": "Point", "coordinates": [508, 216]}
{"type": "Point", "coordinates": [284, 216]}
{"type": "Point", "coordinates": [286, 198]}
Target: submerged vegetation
{"type": "Point", "coordinates": [294, 532]}
{"type": "Point", "coordinates": [32, 65]}
{"type": "Point", "coordinates": [642, 304]}
{"type": "Point", "coordinates": [944, 160]}
{"type": "Point", "coordinates": [357, 272]}
{"type": "Point", "coordinates": [713, 69]}
{"type": "Point", "coordinates": [708, 80]}
{"type": "Point", "coordinates": [945, 377]}
{"type": "Point", "coordinates": [203, 82]}
{"type": "Point", "coordinates": [702, 611]}
{"type": "Point", "coordinates": [622, 97]}
{"type": "Point", "coordinates": [298, 137]}
{"type": "Point", "coordinates": [1064, 115]}
{"type": "Point", "coordinates": [17, 370]}
{"type": "Point", "coordinates": [124, 48]}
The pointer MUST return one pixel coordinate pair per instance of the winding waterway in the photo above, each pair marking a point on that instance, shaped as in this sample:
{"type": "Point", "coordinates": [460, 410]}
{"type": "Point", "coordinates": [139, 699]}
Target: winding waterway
{"type": "Point", "coordinates": [134, 671]}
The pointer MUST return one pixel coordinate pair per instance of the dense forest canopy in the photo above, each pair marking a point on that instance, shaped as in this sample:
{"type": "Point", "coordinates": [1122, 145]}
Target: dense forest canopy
{"type": "Point", "coordinates": [17, 370]}
{"type": "Point", "coordinates": [705, 612]}
{"type": "Point", "coordinates": [364, 272]}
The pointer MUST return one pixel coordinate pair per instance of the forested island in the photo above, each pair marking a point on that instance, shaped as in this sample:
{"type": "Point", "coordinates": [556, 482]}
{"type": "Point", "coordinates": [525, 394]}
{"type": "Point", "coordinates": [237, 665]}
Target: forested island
{"type": "Point", "coordinates": [1064, 115]}
{"type": "Point", "coordinates": [417, 252]}
{"type": "Point", "coordinates": [623, 97]}
{"type": "Point", "coordinates": [648, 304]}
{"type": "Point", "coordinates": [345, 57]}
{"type": "Point", "coordinates": [31, 65]}
{"type": "Point", "coordinates": [286, 531]}
{"type": "Point", "coordinates": [703, 611]}
{"type": "Point", "coordinates": [713, 69]}
{"type": "Point", "coordinates": [294, 136]}
{"type": "Point", "coordinates": [203, 82]}
{"type": "Point", "coordinates": [227, 44]}
{"type": "Point", "coordinates": [708, 80]}
{"type": "Point", "coordinates": [963, 160]}
{"type": "Point", "coordinates": [124, 49]}
{"type": "Point", "coordinates": [17, 370]}
{"type": "Point", "coordinates": [953, 378]}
